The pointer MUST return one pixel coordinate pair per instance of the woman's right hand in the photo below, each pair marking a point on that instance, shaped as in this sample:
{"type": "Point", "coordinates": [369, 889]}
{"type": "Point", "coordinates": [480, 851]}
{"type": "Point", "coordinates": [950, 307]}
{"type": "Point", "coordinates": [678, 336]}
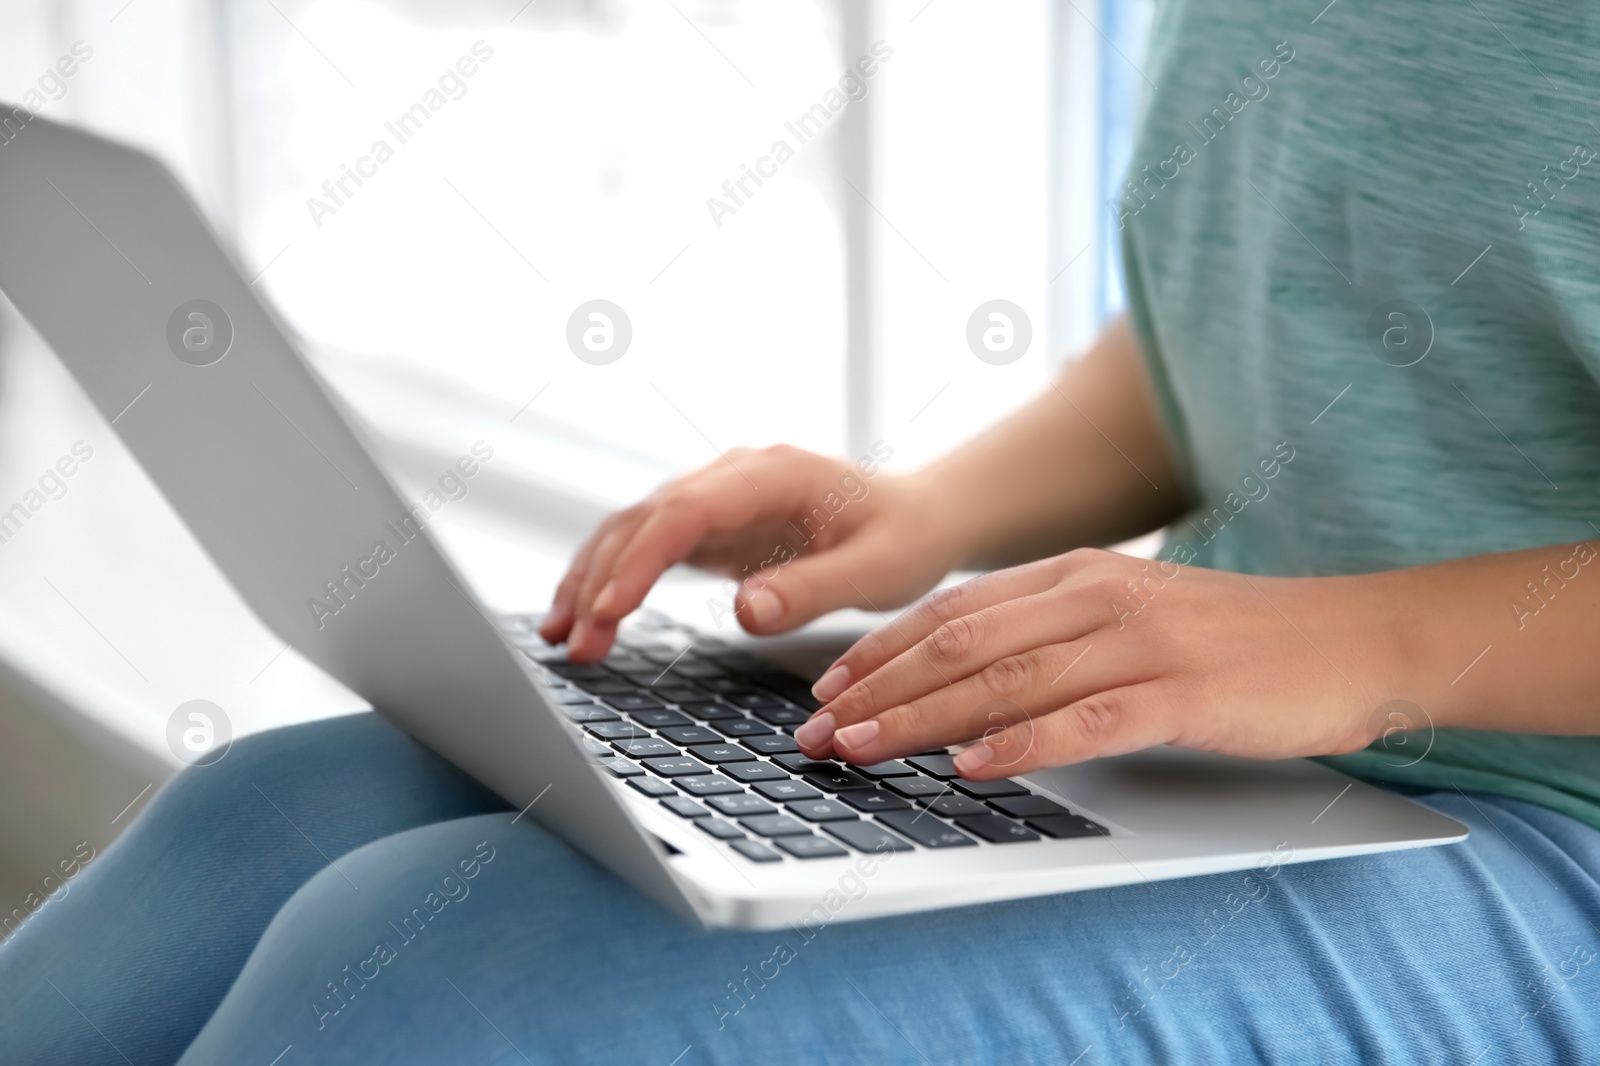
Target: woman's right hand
{"type": "Point", "coordinates": [800, 533]}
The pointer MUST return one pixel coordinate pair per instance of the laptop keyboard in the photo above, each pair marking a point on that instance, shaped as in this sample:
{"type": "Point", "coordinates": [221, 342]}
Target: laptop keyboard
{"type": "Point", "coordinates": [706, 730]}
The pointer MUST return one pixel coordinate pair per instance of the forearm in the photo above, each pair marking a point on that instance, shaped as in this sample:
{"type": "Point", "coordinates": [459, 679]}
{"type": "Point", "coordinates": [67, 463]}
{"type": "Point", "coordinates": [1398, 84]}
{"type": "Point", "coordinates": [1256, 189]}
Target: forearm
{"type": "Point", "coordinates": [1477, 647]}
{"type": "Point", "coordinates": [1085, 463]}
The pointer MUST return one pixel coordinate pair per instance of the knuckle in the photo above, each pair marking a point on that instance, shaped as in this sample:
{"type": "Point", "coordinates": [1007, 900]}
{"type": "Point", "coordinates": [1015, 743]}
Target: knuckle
{"type": "Point", "coordinates": [954, 641]}
{"type": "Point", "coordinates": [1095, 719]}
{"type": "Point", "coordinates": [946, 604]}
{"type": "Point", "coordinates": [1010, 677]}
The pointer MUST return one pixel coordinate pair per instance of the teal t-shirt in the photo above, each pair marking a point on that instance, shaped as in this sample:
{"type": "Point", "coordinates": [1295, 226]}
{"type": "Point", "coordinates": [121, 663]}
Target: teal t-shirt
{"type": "Point", "coordinates": [1362, 252]}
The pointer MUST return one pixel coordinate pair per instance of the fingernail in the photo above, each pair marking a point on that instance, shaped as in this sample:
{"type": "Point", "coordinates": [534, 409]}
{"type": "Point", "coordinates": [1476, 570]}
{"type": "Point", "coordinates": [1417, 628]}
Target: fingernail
{"type": "Point", "coordinates": [602, 602]}
{"type": "Point", "coordinates": [858, 735]}
{"type": "Point", "coordinates": [974, 758]}
{"type": "Point", "coordinates": [835, 681]}
{"type": "Point", "coordinates": [764, 607]}
{"type": "Point", "coordinates": [816, 731]}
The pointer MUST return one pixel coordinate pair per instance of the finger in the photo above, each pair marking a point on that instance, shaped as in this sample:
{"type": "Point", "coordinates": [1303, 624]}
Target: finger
{"type": "Point", "coordinates": [558, 622]}
{"type": "Point", "coordinates": [963, 646]}
{"type": "Point", "coordinates": [718, 502]}
{"type": "Point", "coordinates": [1036, 682]}
{"type": "Point", "coordinates": [582, 642]}
{"type": "Point", "coordinates": [1113, 722]}
{"type": "Point", "coordinates": [944, 605]}
{"type": "Point", "coordinates": [852, 574]}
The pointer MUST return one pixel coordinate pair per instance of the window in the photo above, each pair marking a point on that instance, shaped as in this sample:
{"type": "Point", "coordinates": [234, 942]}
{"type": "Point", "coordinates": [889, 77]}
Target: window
{"type": "Point", "coordinates": [430, 193]}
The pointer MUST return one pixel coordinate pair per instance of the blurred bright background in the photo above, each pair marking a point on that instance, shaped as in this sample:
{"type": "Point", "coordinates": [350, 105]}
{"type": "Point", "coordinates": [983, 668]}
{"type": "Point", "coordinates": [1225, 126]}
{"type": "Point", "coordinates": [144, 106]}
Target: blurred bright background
{"type": "Point", "coordinates": [827, 308]}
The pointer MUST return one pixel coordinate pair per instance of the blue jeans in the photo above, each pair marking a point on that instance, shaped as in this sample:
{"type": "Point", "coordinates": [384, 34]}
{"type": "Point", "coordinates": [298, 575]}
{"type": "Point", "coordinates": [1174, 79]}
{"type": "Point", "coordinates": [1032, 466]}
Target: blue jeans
{"type": "Point", "coordinates": [332, 893]}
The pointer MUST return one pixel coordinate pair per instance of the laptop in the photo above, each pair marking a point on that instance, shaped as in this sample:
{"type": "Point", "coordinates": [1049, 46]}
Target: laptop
{"type": "Point", "coordinates": [671, 762]}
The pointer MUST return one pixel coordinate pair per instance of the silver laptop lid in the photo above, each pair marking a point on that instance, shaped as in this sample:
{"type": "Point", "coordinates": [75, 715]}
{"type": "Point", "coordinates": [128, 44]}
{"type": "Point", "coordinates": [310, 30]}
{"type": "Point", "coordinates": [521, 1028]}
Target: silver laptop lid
{"type": "Point", "coordinates": [110, 260]}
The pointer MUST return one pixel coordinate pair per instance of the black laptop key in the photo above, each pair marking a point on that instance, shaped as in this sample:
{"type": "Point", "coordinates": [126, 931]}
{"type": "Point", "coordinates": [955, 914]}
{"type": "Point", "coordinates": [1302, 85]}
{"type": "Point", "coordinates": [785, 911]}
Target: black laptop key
{"type": "Point", "coordinates": [725, 686]}
{"type": "Point", "coordinates": [611, 686]}
{"type": "Point", "coordinates": [683, 806]}
{"type": "Point", "coordinates": [718, 828]}
{"type": "Point", "coordinates": [925, 829]}
{"type": "Point", "coordinates": [647, 748]}
{"type": "Point", "coordinates": [652, 786]}
{"type": "Point", "coordinates": [797, 763]}
{"type": "Point", "coordinates": [659, 719]}
{"type": "Point", "coordinates": [681, 693]}
{"type": "Point", "coordinates": [595, 746]}
{"type": "Point", "coordinates": [706, 785]}
{"type": "Point", "coordinates": [741, 727]}
{"type": "Point", "coordinates": [677, 766]}
{"type": "Point", "coordinates": [752, 771]}
{"type": "Point", "coordinates": [590, 712]}
{"type": "Point", "coordinates": [989, 789]}
{"type": "Point", "coordinates": [786, 790]}
{"type": "Point", "coordinates": [780, 715]}
{"type": "Point", "coordinates": [874, 800]}
{"type": "Point", "coordinates": [754, 851]}
{"type": "Point", "coordinates": [620, 767]}
{"type": "Point", "coordinates": [952, 806]}
{"type": "Point", "coordinates": [867, 837]}
{"type": "Point", "coordinates": [574, 671]}
{"type": "Point", "coordinates": [691, 734]}
{"type": "Point", "coordinates": [811, 847]}
{"type": "Point", "coordinates": [879, 770]}
{"type": "Point", "coordinates": [567, 695]}
{"type": "Point", "coordinates": [617, 730]}
{"type": "Point", "coordinates": [1027, 806]}
{"type": "Point", "coordinates": [820, 810]}
{"type": "Point", "coordinates": [710, 712]}
{"type": "Point", "coordinates": [774, 825]}
{"type": "Point", "coordinates": [776, 744]}
{"type": "Point", "coordinates": [721, 753]}
{"type": "Point", "coordinates": [837, 779]}
{"type": "Point", "coordinates": [1067, 826]}
{"type": "Point", "coordinates": [741, 804]}
{"type": "Point", "coordinates": [995, 829]}
{"type": "Point", "coordinates": [941, 766]}
{"type": "Point", "coordinates": [696, 670]}
{"type": "Point", "coordinates": [636, 701]}
{"type": "Point", "coordinates": [916, 786]}
{"type": "Point", "coordinates": [624, 664]}
{"type": "Point", "coordinates": [752, 699]}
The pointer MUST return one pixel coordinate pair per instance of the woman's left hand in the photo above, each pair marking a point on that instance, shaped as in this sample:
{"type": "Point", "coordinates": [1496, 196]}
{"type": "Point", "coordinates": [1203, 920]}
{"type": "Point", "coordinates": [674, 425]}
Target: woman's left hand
{"type": "Point", "coordinates": [1092, 653]}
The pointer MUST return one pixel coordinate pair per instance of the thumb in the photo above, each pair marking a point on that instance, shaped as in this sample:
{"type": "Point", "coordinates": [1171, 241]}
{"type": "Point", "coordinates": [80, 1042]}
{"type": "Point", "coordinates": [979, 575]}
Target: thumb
{"type": "Point", "coordinates": [857, 573]}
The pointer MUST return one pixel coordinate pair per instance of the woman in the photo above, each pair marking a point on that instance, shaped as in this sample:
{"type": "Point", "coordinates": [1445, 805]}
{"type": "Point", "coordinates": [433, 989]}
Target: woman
{"type": "Point", "coordinates": [1358, 382]}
